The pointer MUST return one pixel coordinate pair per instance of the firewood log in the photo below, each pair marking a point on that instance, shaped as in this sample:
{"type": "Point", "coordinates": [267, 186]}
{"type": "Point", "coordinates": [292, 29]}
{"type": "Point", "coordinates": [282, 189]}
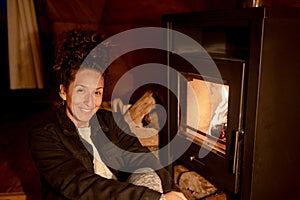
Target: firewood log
{"type": "Point", "coordinates": [142, 107]}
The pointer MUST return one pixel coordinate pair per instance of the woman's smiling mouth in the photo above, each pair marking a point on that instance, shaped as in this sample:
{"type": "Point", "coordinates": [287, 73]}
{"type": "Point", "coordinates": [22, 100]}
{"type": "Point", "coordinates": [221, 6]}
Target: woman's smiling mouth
{"type": "Point", "coordinates": [86, 110]}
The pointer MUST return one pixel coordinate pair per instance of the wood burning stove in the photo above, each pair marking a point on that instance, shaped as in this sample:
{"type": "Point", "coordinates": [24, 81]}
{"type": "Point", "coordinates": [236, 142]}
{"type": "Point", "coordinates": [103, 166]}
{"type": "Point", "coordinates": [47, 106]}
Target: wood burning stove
{"type": "Point", "coordinates": [229, 131]}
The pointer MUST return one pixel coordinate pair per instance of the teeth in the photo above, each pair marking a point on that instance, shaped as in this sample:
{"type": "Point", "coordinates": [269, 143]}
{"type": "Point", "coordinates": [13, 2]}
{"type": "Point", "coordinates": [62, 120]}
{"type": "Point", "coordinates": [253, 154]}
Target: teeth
{"type": "Point", "coordinates": [86, 110]}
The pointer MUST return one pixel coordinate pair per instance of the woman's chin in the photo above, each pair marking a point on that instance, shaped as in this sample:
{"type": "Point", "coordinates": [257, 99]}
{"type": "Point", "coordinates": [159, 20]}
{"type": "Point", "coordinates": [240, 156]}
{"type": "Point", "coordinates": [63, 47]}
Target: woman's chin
{"type": "Point", "coordinates": [85, 116]}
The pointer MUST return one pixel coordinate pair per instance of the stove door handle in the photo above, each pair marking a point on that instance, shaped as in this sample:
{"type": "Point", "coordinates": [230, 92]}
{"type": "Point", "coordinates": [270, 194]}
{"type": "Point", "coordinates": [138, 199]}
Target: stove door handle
{"type": "Point", "coordinates": [194, 159]}
{"type": "Point", "coordinates": [237, 138]}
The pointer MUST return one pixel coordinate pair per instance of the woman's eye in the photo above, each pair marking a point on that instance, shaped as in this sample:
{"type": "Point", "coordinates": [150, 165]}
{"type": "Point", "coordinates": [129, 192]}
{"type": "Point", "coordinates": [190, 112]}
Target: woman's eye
{"type": "Point", "coordinates": [98, 93]}
{"type": "Point", "coordinates": [80, 91]}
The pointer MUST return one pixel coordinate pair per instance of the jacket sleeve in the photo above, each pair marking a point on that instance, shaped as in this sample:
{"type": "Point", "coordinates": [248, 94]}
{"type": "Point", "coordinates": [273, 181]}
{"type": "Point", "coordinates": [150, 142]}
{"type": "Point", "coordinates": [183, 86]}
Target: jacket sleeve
{"type": "Point", "coordinates": [135, 155]}
{"type": "Point", "coordinates": [67, 175]}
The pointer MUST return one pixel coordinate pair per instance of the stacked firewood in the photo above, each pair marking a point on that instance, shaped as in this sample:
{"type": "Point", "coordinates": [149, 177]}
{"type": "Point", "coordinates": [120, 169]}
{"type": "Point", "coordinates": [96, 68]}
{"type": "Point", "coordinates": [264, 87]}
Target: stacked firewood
{"type": "Point", "coordinates": [192, 184]}
{"type": "Point", "coordinates": [138, 116]}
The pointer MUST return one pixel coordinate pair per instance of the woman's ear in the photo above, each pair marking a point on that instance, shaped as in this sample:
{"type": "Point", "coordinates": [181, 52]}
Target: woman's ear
{"type": "Point", "coordinates": [62, 92]}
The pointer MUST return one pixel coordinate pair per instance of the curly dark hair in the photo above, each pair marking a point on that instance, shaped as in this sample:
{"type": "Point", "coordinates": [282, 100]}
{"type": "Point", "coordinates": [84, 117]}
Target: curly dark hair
{"type": "Point", "coordinates": [71, 55]}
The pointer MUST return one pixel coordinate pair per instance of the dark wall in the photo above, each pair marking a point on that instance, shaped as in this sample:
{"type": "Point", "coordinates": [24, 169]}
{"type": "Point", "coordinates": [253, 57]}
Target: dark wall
{"type": "Point", "coordinates": [4, 74]}
{"type": "Point", "coordinates": [109, 17]}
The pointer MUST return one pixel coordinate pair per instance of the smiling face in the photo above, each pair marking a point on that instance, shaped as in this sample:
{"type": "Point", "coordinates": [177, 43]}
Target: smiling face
{"type": "Point", "coordinates": [83, 97]}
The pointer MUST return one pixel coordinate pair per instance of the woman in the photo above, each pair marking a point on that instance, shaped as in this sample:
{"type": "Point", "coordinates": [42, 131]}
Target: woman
{"type": "Point", "coordinates": [82, 151]}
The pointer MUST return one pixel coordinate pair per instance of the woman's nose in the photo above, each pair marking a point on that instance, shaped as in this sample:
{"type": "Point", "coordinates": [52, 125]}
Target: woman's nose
{"type": "Point", "coordinates": [89, 99]}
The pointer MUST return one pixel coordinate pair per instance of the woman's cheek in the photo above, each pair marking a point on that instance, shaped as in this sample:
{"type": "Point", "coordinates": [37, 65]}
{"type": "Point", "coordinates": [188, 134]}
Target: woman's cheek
{"type": "Point", "coordinates": [77, 100]}
{"type": "Point", "coordinates": [98, 102]}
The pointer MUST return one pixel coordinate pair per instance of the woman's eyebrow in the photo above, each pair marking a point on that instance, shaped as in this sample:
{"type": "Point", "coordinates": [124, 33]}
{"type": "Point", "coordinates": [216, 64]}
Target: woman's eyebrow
{"type": "Point", "coordinates": [78, 84]}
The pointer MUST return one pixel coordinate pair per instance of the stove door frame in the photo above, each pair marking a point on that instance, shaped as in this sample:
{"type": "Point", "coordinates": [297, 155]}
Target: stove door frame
{"type": "Point", "coordinates": [221, 170]}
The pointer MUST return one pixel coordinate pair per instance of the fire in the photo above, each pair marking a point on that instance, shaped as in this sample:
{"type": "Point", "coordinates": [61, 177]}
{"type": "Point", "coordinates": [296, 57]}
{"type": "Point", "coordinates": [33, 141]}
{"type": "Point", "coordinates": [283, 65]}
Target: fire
{"type": "Point", "coordinates": [212, 104]}
{"type": "Point", "coordinates": [218, 122]}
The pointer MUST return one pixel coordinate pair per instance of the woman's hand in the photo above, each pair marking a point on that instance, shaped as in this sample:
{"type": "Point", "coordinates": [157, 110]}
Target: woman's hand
{"type": "Point", "coordinates": [175, 196]}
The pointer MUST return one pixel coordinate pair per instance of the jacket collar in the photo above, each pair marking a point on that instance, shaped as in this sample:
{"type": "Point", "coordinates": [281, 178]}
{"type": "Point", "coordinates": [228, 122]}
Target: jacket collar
{"type": "Point", "coordinates": [65, 122]}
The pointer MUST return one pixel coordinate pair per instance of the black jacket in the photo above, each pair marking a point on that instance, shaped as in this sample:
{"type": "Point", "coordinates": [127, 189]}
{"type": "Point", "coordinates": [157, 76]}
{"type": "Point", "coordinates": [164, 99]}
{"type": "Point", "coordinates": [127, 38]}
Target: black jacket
{"type": "Point", "coordinates": [65, 162]}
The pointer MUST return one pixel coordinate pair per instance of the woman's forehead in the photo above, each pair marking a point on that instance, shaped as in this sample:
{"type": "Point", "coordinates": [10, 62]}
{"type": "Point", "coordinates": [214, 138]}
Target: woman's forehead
{"type": "Point", "coordinates": [89, 77]}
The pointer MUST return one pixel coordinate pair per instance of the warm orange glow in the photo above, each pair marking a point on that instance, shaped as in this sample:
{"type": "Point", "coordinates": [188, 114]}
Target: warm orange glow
{"type": "Point", "coordinates": [212, 103]}
{"type": "Point", "coordinates": [220, 114]}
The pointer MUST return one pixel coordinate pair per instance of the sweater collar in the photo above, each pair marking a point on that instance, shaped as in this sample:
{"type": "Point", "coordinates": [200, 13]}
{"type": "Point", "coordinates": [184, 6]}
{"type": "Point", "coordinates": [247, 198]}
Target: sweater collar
{"type": "Point", "coordinates": [69, 127]}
